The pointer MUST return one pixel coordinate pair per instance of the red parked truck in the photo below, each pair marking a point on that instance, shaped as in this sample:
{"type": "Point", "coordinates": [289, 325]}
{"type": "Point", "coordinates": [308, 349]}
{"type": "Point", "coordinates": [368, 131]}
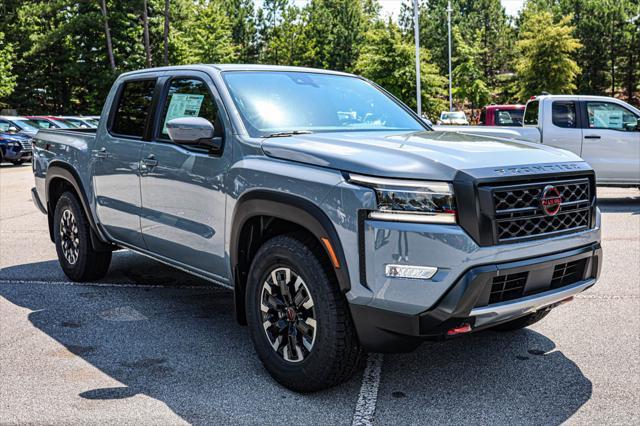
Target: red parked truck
{"type": "Point", "coordinates": [501, 115]}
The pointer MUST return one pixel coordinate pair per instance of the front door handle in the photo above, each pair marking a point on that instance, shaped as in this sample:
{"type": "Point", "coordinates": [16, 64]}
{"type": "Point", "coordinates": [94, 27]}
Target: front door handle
{"type": "Point", "coordinates": [148, 163]}
{"type": "Point", "coordinates": [592, 137]}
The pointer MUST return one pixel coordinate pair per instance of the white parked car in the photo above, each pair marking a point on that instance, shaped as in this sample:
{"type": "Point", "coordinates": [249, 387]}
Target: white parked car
{"type": "Point", "coordinates": [456, 118]}
{"type": "Point", "coordinates": [603, 131]}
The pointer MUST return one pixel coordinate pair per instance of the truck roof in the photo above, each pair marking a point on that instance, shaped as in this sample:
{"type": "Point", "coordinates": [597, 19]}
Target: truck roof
{"type": "Point", "coordinates": [236, 67]}
{"type": "Point", "coordinates": [574, 97]}
{"type": "Point", "coordinates": [508, 106]}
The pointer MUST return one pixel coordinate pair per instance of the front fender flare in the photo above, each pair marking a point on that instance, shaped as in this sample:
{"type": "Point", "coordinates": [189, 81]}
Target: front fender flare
{"type": "Point", "coordinates": [290, 208]}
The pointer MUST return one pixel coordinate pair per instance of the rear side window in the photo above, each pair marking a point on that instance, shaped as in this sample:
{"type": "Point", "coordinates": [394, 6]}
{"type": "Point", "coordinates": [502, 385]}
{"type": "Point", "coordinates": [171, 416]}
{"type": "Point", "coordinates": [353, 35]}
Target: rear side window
{"type": "Point", "coordinates": [509, 118]}
{"type": "Point", "coordinates": [531, 113]}
{"type": "Point", "coordinates": [563, 114]}
{"type": "Point", "coordinates": [133, 108]}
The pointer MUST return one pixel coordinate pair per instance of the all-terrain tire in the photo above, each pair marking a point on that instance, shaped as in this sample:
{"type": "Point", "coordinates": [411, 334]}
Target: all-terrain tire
{"type": "Point", "coordinates": [522, 322]}
{"type": "Point", "coordinates": [71, 230]}
{"type": "Point", "coordinates": [335, 353]}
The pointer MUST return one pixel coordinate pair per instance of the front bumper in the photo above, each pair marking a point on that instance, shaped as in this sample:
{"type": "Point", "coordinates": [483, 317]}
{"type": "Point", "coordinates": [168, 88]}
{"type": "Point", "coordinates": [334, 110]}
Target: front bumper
{"type": "Point", "coordinates": [468, 300]}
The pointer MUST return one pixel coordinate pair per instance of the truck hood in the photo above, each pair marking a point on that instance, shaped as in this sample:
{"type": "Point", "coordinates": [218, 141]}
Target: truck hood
{"type": "Point", "coordinates": [424, 155]}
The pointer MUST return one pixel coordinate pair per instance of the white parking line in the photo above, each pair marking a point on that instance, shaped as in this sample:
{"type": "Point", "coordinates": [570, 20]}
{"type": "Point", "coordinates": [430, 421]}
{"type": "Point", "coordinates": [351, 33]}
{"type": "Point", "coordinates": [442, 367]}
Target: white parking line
{"type": "Point", "coordinates": [366, 406]}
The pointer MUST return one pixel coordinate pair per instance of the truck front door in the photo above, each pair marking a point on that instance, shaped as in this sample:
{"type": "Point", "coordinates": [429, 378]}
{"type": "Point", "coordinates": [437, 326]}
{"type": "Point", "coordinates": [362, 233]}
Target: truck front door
{"type": "Point", "coordinates": [116, 156]}
{"type": "Point", "coordinates": [183, 196]}
{"type": "Point", "coordinates": [611, 142]}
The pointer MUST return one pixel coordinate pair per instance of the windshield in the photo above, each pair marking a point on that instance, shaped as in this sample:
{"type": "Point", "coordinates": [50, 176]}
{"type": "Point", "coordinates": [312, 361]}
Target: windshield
{"type": "Point", "coordinates": [453, 116]}
{"type": "Point", "coordinates": [277, 101]}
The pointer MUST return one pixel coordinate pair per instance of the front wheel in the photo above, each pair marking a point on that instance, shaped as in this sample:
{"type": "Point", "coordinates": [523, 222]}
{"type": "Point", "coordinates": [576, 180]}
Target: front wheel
{"type": "Point", "coordinates": [72, 234]}
{"type": "Point", "coordinates": [299, 321]}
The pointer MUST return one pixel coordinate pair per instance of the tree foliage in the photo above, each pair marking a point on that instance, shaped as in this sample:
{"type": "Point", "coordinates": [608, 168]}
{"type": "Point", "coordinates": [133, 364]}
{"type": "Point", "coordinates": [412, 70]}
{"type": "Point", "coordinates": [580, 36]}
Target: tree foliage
{"type": "Point", "coordinates": [546, 49]}
{"type": "Point", "coordinates": [7, 78]}
{"type": "Point", "coordinates": [389, 60]}
{"type": "Point", "coordinates": [55, 57]}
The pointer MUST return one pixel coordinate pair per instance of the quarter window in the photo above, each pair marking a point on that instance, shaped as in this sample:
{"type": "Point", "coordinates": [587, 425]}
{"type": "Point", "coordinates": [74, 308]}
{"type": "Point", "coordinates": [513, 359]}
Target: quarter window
{"type": "Point", "coordinates": [605, 115]}
{"type": "Point", "coordinates": [531, 113]}
{"type": "Point", "coordinates": [133, 108]}
{"type": "Point", "coordinates": [563, 114]}
{"type": "Point", "coordinates": [189, 97]}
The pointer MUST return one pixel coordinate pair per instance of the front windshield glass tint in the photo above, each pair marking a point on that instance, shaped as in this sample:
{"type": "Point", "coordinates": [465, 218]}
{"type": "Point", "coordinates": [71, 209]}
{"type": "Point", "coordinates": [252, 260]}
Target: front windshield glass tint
{"type": "Point", "coordinates": [278, 101]}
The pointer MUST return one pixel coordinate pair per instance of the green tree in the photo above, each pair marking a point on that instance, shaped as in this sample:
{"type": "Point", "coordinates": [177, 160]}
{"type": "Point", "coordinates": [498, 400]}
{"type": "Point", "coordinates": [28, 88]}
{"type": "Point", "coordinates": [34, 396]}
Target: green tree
{"type": "Point", "coordinates": [389, 60]}
{"type": "Point", "coordinates": [546, 49]}
{"type": "Point", "coordinates": [468, 75]}
{"type": "Point", "coordinates": [7, 79]}
{"type": "Point", "coordinates": [241, 14]}
{"type": "Point", "coordinates": [206, 37]}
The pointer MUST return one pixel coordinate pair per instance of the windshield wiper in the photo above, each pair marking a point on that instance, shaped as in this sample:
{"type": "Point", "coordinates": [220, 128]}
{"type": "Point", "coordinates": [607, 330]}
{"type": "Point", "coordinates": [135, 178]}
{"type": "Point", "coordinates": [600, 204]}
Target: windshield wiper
{"type": "Point", "coordinates": [288, 133]}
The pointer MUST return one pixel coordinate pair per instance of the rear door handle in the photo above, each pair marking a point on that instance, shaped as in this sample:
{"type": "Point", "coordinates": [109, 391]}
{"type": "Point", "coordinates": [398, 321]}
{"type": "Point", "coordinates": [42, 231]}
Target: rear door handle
{"type": "Point", "coordinates": [592, 137]}
{"type": "Point", "coordinates": [102, 153]}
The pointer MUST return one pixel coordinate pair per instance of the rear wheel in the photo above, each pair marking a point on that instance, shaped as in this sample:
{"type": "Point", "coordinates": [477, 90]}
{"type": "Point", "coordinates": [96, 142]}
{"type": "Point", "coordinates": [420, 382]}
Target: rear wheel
{"type": "Point", "coordinates": [299, 321]}
{"type": "Point", "coordinates": [72, 234]}
{"type": "Point", "coordinates": [522, 322]}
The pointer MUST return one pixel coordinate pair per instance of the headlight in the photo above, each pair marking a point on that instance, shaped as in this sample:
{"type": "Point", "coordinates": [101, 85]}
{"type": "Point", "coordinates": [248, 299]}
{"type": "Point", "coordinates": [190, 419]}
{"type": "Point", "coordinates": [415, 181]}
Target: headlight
{"type": "Point", "coordinates": [410, 200]}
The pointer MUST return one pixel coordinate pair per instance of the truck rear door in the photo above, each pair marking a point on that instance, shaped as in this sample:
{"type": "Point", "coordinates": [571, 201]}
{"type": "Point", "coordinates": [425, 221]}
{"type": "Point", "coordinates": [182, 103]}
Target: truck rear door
{"type": "Point", "coordinates": [611, 142]}
{"type": "Point", "coordinates": [117, 161]}
{"type": "Point", "coordinates": [182, 186]}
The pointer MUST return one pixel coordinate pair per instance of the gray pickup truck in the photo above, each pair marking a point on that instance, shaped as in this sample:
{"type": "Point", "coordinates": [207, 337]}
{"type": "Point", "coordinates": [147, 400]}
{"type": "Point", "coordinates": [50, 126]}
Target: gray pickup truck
{"type": "Point", "coordinates": [340, 220]}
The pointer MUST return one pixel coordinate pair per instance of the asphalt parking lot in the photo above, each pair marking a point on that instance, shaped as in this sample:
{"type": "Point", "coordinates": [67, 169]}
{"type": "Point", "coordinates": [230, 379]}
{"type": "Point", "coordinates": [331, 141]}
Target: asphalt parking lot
{"type": "Point", "coordinates": [152, 345]}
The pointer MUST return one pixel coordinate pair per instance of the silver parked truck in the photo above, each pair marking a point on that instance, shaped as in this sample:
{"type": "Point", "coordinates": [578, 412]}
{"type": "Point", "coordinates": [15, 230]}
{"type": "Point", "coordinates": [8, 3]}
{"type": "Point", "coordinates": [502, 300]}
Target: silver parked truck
{"type": "Point", "coordinates": [341, 222]}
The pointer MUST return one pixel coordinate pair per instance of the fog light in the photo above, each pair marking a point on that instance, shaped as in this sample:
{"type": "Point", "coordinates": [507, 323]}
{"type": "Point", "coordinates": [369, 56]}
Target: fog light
{"type": "Point", "coordinates": [408, 271]}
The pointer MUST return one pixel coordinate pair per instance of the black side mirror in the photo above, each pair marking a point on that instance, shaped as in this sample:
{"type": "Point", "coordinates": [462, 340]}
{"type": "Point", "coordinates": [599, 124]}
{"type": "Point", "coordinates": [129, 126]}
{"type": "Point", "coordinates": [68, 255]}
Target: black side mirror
{"type": "Point", "coordinates": [193, 131]}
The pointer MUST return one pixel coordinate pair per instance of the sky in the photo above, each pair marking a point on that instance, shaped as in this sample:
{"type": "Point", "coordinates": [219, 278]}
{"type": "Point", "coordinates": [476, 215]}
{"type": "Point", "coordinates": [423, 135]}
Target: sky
{"type": "Point", "coordinates": [392, 7]}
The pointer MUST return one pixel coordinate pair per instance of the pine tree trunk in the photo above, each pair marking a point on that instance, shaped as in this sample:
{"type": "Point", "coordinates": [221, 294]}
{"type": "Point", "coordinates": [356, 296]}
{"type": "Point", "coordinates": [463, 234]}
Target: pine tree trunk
{"type": "Point", "coordinates": [166, 32]}
{"type": "Point", "coordinates": [107, 34]}
{"type": "Point", "coordinates": [145, 24]}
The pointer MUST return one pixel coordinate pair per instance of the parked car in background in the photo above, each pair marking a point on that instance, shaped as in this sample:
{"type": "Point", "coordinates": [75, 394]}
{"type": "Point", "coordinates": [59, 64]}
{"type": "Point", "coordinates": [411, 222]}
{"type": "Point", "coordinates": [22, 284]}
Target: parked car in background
{"type": "Point", "coordinates": [15, 147]}
{"type": "Point", "coordinates": [338, 233]}
{"type": "Point", "coordinates": [49, 122]}
{"type": "Point", "coordinates": [11, 124]}
{"type": "Point", "coordinates": [453, 118]}
{"type": "Point", "coordinates": [501, 115]}
{"type": "Point", "coordinates": [79, 122]}
{"type": "Point", "coordinates": [603, 131]}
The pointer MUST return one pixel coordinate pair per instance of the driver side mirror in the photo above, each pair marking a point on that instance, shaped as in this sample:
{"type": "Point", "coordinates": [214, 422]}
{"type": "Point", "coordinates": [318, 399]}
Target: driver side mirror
{"type": "Point", "coordinates": [12, 129]}
{"type": "Point", "coordinates": [193, 131]}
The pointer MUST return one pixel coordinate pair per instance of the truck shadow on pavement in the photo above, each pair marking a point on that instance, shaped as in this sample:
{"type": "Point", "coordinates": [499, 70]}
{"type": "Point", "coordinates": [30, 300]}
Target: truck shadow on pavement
{"type": "Point", "coordinates": [623, 204]}
{"type": "Point", "coordinates": [182, 346]}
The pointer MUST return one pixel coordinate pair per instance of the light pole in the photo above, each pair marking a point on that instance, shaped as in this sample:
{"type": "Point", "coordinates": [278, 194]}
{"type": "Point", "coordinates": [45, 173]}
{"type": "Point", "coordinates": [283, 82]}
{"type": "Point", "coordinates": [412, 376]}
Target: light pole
{"type": "Point", "coordinates": [416, 30]}
{"type": "Point", "coordinates": [449, 31]}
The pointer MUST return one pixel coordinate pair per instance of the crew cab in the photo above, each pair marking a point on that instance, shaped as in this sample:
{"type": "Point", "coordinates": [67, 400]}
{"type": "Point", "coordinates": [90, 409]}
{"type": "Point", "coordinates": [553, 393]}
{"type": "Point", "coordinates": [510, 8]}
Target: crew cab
{"type": "Point", "coordinates": [604, 131]}
{"type": "Point", "coordinates": [339, 219]}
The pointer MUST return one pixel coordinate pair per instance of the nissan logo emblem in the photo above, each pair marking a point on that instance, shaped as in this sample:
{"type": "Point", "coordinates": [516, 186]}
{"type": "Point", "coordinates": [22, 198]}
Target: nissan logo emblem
{"type": "Point", "coordinates": [550, 200]}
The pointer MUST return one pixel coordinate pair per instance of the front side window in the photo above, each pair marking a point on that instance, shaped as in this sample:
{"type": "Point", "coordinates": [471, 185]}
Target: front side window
{"type": "Point", "coordinates": [278, 101]}
{"type": "Point", "coordinates": [4, 126]}
{"type": "Point", "coordinates": [133, 108]}
{"type": "Point", "coordinates": [189, 97]}
{"type": "Point", "coordinates": [605, 115]}
{"type": "Point", "coordinates": [563, 114]}
{"type": "Point", "coordinates": [531, 113]}
{"type": "Point", "coordinates": [509, 118]}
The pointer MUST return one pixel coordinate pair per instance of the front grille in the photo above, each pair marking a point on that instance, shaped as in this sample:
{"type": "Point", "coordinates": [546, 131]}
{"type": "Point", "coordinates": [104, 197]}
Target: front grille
{"type": "Point", "coordinates": [508, 287]}
{"type": "Point", "coordinates": [518, 213]}
{"type": "Point", "coordinates": [567, 273]}
{"type": "Point", "coordinates": [26, 145]}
